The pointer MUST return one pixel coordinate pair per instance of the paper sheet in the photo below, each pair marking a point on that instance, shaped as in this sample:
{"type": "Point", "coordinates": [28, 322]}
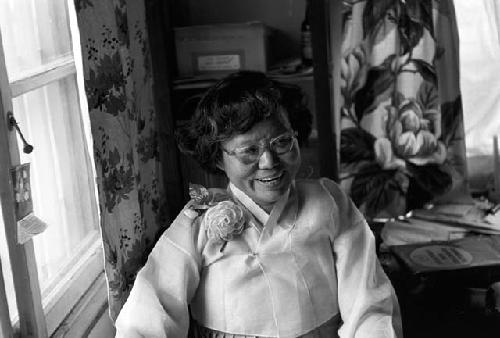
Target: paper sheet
{"type": "Point", "coordinates": [28, 227]}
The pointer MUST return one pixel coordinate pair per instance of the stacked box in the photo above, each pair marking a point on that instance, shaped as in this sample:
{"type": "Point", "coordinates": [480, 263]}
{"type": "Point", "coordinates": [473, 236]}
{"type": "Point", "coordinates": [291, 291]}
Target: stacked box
{"type": "Point", "coordinates": [221, 49]}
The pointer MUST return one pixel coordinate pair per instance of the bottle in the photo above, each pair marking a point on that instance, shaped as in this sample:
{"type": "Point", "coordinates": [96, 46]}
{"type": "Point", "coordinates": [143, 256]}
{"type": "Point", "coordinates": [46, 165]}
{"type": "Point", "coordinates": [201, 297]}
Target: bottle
{"type": "Point", "coordinates": [305, 41]}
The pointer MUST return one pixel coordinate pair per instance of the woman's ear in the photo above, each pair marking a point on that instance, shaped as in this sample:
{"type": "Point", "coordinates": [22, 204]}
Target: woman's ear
{"type": "Point", "coordinates": [219, 164]}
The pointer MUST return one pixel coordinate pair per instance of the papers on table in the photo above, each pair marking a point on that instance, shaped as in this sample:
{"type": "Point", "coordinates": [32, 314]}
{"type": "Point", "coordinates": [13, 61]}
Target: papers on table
{"type": "Point", "coordinates": [469, 217]}
{"type": "Point", "coordinates": [468, 252]}
{"type": "Point", "coordinates": [400, 232]}
{"type": "Point", "coordinates": [493, 218]}
{"type": "Point", "coordinates": [453, 210]}
{"type": "Point", "coordinates": [437, 238]}
{"type": "Point", "coordinates": [441, 223]}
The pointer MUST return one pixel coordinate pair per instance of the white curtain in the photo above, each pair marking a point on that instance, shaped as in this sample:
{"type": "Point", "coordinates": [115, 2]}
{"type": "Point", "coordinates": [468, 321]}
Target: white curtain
{"type": "Point", "coordinates": [479, 33]}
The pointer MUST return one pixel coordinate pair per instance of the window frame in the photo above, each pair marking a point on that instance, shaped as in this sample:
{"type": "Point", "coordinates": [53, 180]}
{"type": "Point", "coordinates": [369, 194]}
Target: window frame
{"type": "Point", "coordinates": [5, 325]}
{"type": "Point", "coordinates": [40, 316]}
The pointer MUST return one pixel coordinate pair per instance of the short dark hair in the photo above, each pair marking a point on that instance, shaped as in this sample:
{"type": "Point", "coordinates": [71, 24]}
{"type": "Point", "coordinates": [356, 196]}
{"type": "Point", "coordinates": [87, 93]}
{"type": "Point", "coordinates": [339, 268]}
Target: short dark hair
{"type": "Point", "coordinates": [233, 106]}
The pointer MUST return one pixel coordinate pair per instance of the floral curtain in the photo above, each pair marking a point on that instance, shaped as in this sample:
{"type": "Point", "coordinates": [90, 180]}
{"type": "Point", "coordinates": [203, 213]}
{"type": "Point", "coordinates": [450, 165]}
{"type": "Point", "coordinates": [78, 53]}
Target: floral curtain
{"type": "Point", "coordinates": [118, 84]}
{"type": "Point", "coordinates": [402, 140]}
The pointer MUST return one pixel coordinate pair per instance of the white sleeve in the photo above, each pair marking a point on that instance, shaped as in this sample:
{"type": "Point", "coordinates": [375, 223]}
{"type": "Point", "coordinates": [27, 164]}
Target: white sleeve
{"type": "Point", "coordinates": [367, 301]}
{"type": "Point", "coordinates": [158, 302]}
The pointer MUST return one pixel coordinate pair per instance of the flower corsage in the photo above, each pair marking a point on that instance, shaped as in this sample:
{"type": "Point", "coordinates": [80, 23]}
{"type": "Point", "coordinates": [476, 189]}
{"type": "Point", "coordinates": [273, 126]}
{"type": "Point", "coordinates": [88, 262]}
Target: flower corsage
{"type": "Point", "coordinates": [224, 218]}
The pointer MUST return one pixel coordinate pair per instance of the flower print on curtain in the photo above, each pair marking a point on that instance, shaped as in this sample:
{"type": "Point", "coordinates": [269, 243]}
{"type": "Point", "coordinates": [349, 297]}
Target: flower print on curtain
{"type": "Point", "coordinates": [118, 84]}
{"type": "Point", "coordinates": [400, 111]}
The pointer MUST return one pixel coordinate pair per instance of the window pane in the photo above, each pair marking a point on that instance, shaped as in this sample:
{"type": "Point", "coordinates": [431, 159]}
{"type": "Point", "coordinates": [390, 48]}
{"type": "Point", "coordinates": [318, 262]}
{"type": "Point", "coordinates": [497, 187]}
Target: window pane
{"type": "Point", "coordinates": [39, 36]}
{"type": "Point", "coordinates": [7, 272]}
{"type": "Point", "coordinates": [61, 173]}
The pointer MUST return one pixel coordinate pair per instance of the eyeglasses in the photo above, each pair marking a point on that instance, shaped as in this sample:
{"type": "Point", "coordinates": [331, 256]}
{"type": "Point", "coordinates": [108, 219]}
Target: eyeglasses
{"type": "Point", "coordinates": [279, 145]}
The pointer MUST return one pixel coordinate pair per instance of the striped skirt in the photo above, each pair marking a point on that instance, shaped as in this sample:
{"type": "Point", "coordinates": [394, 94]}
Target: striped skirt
{"type": "Point", "coordinates": [327, 330]}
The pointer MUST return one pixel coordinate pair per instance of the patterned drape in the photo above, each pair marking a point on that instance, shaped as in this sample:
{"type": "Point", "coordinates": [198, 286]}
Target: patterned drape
{"type": "Point", "coordinates": [118, 84]}
{"type": "Point", "coordinates": [401, 113]}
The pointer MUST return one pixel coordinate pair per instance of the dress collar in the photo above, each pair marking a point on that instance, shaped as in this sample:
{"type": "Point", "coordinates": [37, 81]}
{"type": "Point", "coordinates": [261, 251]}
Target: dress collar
{"type": "Point", "coordinates": [260, 214]}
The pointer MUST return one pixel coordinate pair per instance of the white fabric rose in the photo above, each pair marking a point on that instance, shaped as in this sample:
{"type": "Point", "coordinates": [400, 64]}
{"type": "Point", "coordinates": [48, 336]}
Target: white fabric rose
{"type": "Point", "coordinates": [224, 220]}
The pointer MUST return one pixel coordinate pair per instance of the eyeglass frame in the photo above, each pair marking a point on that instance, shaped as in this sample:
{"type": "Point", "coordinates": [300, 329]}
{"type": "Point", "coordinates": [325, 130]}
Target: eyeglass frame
{"type": "Point", "coordinates": [262, 147]}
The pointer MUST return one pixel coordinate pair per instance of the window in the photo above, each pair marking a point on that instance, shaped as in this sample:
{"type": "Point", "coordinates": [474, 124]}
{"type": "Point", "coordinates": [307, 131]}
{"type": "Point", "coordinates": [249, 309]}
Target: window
{"type": "Point", "coordinates": [44, 91]}
{"type": "Point", "coordinates": [479, 32]}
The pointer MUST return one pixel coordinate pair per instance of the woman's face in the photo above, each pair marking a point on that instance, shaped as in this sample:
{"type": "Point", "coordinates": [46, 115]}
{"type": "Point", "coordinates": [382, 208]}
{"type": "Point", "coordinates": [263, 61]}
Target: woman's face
{"type": "Point", "coordinates": [270, 176]}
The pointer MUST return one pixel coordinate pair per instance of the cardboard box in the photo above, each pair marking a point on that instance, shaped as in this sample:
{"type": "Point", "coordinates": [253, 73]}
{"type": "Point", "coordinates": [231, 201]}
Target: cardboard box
{"type": "Point", "coordinates": [217, 50]}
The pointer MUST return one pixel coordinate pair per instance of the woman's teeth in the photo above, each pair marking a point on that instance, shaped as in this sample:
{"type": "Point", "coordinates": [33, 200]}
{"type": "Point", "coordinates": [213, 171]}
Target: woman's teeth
{"type": "Point", "coordinates": [271, 180]}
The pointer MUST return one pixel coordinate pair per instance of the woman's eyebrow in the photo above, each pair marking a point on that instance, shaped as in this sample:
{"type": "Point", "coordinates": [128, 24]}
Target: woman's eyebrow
{"type": "Point", "coordinates": [248, 140]}
{"type": "Point", "coordinates": [247, 143]}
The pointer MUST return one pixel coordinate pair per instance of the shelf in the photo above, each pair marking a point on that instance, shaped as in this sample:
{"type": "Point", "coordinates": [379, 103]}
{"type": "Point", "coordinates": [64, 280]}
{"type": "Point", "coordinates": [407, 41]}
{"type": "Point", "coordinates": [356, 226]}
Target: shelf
{"type": "Point", "coordinates": [201, 82]}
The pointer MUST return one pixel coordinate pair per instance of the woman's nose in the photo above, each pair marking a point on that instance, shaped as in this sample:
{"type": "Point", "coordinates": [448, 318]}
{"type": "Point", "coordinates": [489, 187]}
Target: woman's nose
{"type": "Point", "coordinates": [268, 159]}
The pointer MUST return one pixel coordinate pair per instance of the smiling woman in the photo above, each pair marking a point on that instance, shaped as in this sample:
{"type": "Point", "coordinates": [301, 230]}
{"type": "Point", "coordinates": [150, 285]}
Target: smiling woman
{"type": "Point", "coordinates": [269, 175]}
{"type": "Point", "coordinates": [271, 256]}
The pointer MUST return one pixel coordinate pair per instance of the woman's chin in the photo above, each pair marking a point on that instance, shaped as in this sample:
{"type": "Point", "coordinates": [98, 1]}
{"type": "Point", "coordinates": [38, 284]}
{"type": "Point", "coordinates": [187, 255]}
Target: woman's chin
{"type": "Point", "coordinates": [270, 192]}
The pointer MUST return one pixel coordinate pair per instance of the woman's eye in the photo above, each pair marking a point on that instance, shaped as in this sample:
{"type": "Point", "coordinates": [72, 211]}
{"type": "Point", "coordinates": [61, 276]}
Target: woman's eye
{"type": "Point", "coordinates": [251, 150]}
{"type": "Point", "coordinates": [283, 142]}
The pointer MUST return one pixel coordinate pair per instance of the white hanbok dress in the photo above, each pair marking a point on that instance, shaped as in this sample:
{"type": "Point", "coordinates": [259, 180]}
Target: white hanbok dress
{"type": "Point", "coordinates": [307, 269]}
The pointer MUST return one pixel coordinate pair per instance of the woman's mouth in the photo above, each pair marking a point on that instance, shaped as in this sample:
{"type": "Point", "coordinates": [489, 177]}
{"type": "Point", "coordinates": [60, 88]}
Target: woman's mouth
{"type": "Point", "coordinates": [271, 181]}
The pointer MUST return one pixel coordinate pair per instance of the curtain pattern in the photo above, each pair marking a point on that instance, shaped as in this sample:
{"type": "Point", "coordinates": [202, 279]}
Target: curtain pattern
{"type": "Point", "coordinates": [400, 108]}
{"type": "Point", "coordinates": [118, 84]}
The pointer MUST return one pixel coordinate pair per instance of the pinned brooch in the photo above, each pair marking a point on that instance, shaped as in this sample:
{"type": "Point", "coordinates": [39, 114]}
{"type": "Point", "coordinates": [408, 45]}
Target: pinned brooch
{"type": "Point", "coordinates": [224, 219]}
